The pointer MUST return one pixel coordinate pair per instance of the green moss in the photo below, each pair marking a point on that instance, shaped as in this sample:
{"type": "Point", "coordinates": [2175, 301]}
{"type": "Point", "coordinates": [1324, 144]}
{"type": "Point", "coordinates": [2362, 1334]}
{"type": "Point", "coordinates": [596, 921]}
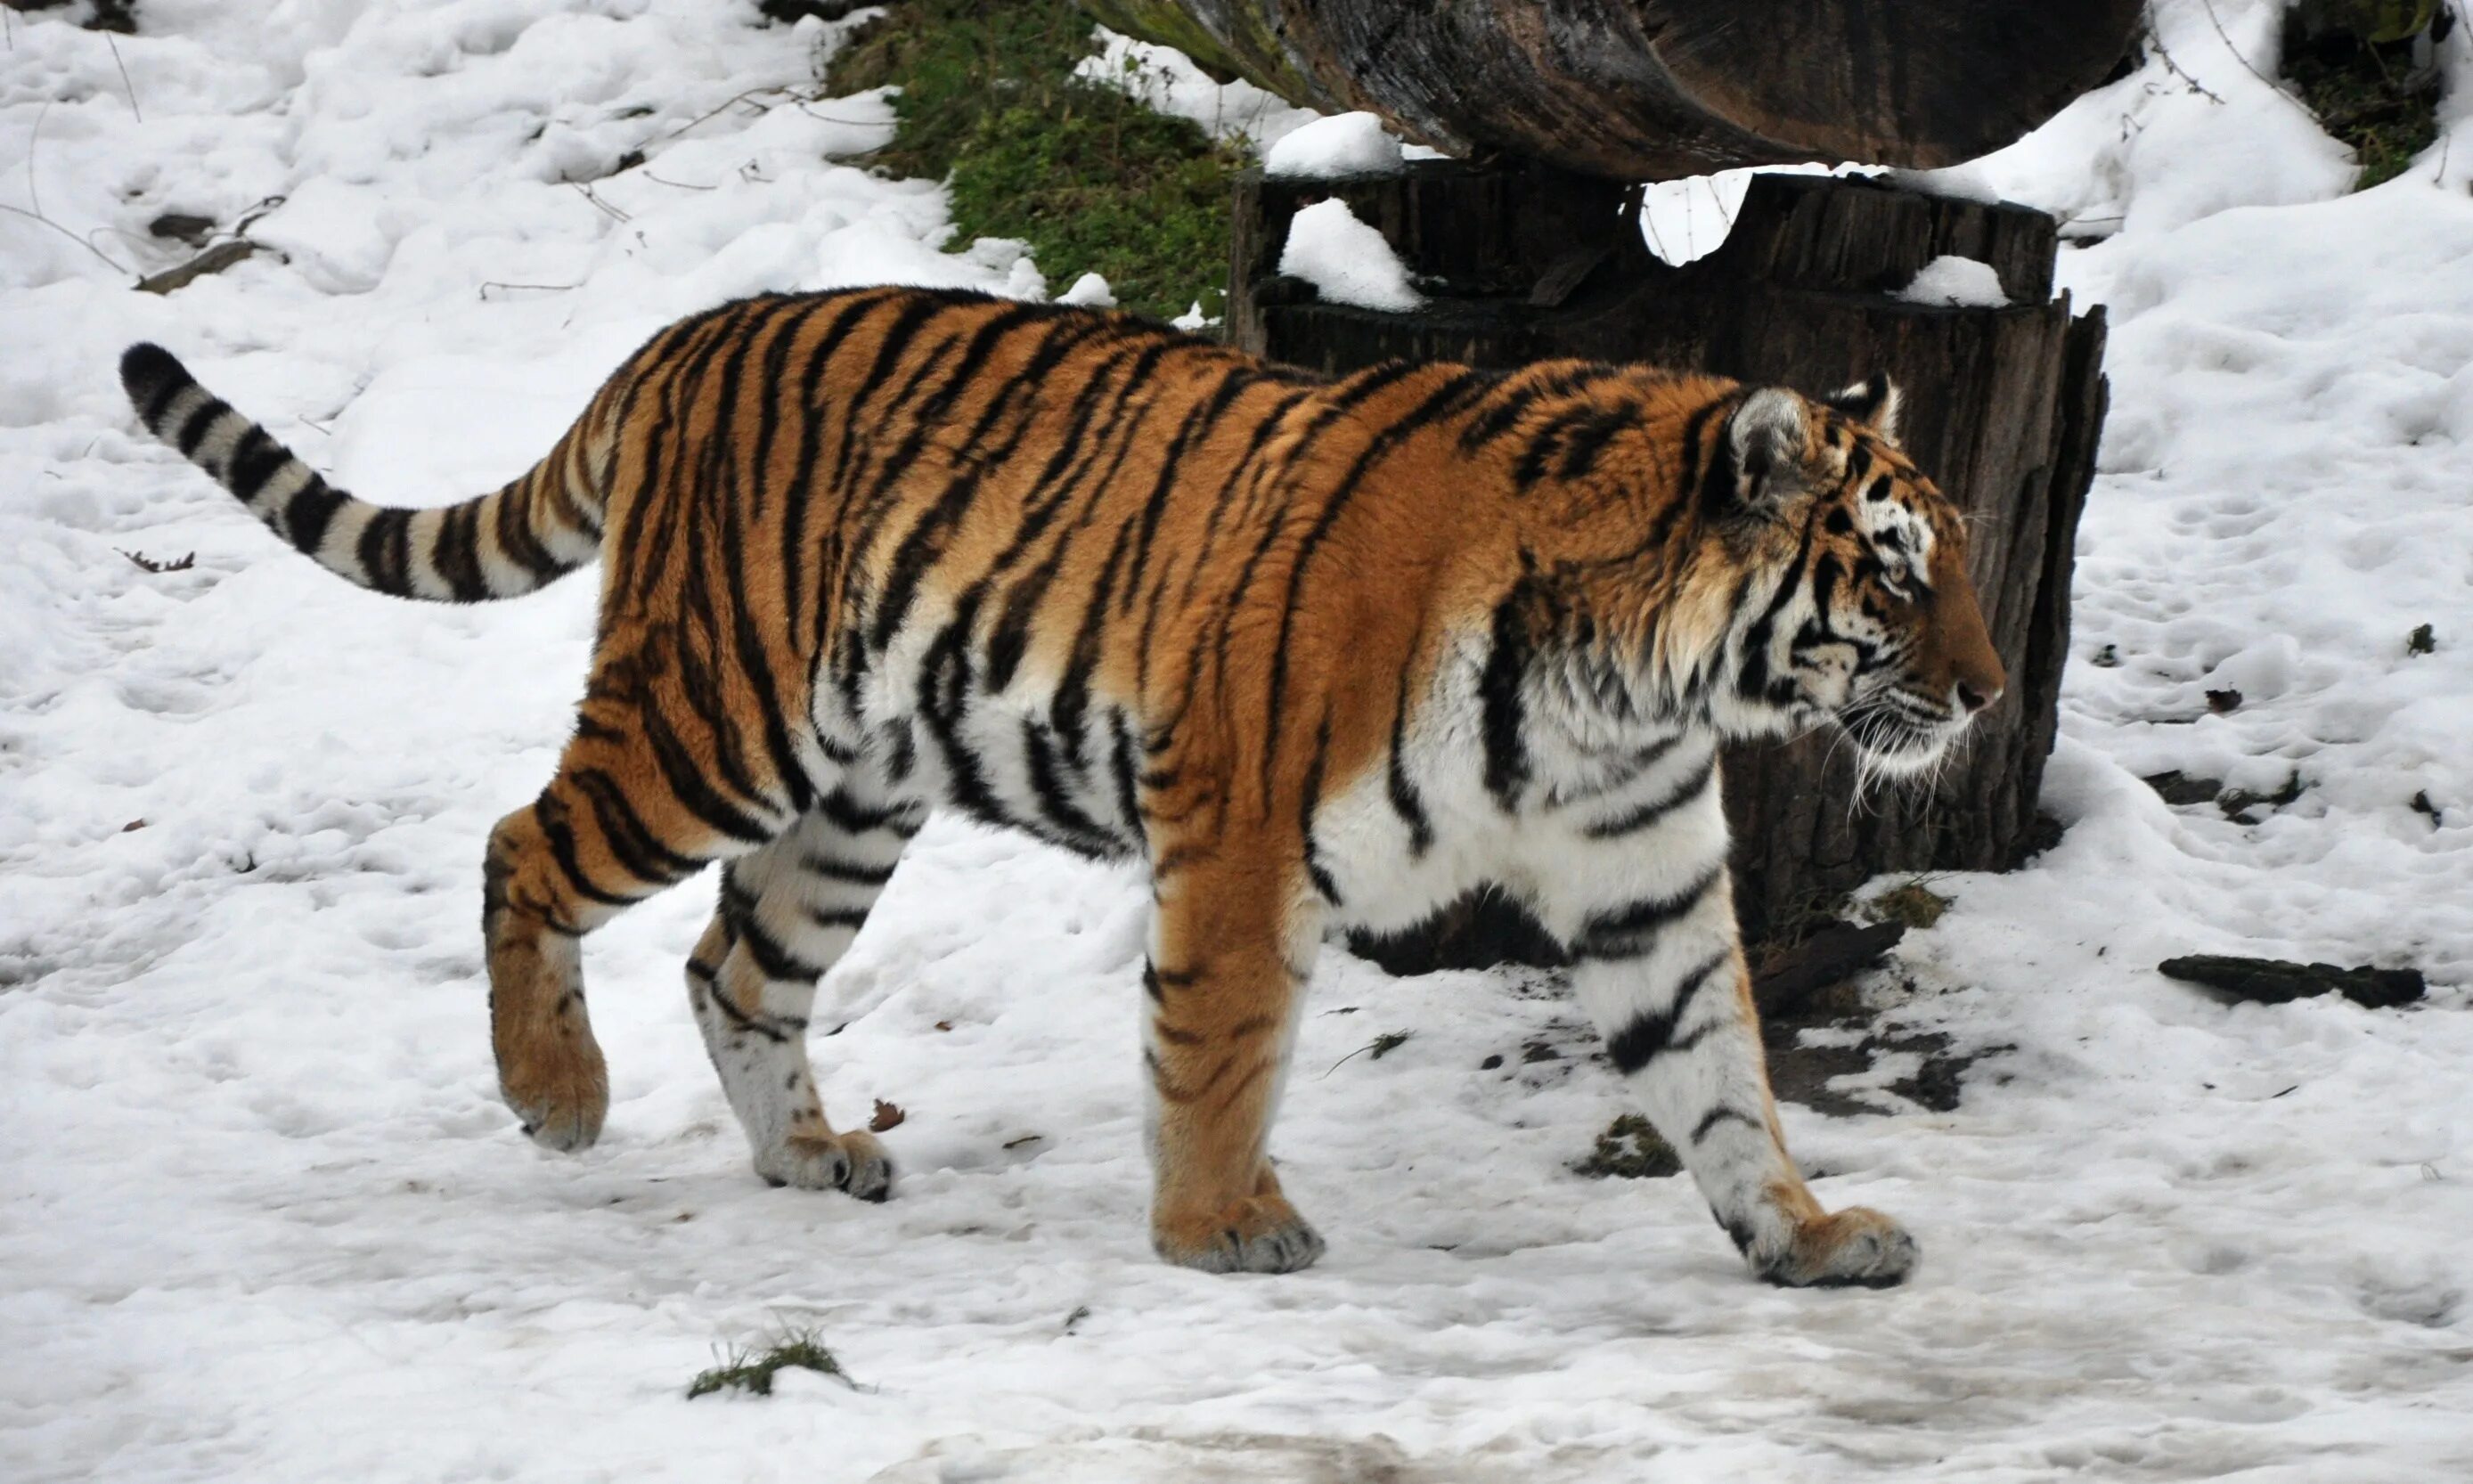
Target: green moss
{"type": "Point", "coordinates": [1092, 179]}
{"type": "Point", "coordinates": [1912, 904]}
{"type": "Point", "coordinates": [2367, 94]}
{"type": "Point", "coordinates": [753, 1371]}
{"type": "Point", "coordinates": [1630, 1149]}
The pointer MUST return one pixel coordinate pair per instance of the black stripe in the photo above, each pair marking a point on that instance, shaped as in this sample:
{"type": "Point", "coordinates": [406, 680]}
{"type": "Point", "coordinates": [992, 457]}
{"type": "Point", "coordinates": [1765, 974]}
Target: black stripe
{"type": "Point", "coordinates": [456, 553]}
{"type": "Point", "coordinates": [771, 959]}
{"type": "Point", "coordinates": [1631, 820]}
{"type": "Point", "coordinates": [1715, 1116]}
{"type": "Point", "coordinates": [630, 839]}
{"type": "Point", "coordinates": [1505, 711]}
{"type": "Point", "coordinates": [193, 427]}
{"type": "Point", "coordinates": [1589, 440]}
{"type": "Point", "coordinates": [850, 870]}
{"type": "Point", "coordinates": [1121, 763]}
{"type": "Point", "coordinates": [386, 550]}
{"type": "Point", "coordinates": [1650, 1033]}
{"type": "Point", "coordinates": [1405, 801]}
{"type": "Point", "coordinates": [852, 918]}
{"type": "Point", "coordinates": [854, 818]}
{"type": "Point", "coordinates": [1312, 797]}
{"type": "Point", "coordinates": [551, 816]}
{"type": "Point", "coordinates": [684, 775]}
{"type": "Point", "coordinates": [311, 510]}
{"type": "Point", "coordinates": [511, 520]}
{"type": "Point", "coordinates": [1630, 930]}
{"type": "Point", "coordinates": [254, 461]}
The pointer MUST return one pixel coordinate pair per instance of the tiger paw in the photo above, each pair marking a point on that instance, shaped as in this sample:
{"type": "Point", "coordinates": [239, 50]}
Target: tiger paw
{"type": "Point", "coordinates": [559, 1093]}
{"type": "Point", "coordinates": [1259, 1233]}
{"type": "Point", "coordinates": [1855, 1247]}
{"type": "Point", "coordinates": [855, 1163]}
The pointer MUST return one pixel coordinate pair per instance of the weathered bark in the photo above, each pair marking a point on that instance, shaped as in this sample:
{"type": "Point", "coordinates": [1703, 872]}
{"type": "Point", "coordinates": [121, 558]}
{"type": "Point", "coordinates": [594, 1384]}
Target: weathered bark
{"type": "Point", "coordinates": [1658, 90]}
{"type": "Point", "coordinates": [2003, 408]}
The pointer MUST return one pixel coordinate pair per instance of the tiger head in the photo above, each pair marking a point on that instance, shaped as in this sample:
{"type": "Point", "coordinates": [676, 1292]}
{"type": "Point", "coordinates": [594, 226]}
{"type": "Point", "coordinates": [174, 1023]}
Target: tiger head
{"type": "Point", "coordinates": [1840, 573]}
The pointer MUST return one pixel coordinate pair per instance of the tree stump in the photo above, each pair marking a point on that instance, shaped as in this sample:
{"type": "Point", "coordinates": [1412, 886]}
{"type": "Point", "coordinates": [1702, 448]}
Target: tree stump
{"type": "Point", "coordinates": [2003, 408]}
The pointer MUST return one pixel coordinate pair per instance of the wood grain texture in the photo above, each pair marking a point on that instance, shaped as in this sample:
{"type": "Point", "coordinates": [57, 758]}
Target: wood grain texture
{"type": "Point", "coordinates": [1659, 89]}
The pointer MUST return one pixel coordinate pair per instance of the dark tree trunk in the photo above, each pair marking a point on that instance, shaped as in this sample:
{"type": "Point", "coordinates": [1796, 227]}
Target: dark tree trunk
{"type": "Point", "coordinates": [2003, 408]}
{"type": "Point", "coordinates": [1657, 90]}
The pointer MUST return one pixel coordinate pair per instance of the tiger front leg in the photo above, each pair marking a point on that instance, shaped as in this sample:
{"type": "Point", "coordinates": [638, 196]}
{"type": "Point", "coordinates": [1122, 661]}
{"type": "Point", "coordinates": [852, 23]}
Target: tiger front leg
{"type": "Point", "coordinates": [1663, 978]}
{"type": "Point", "coordinates": [1232, 948]}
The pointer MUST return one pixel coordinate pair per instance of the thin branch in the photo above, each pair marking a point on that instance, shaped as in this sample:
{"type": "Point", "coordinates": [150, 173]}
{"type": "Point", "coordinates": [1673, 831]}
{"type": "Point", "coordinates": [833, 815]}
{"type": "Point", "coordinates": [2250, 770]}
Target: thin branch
{"type": "Point", "coordinates": [2155, 38]}
{"type": "Point", "coordinates": [2264, 80]}
{"type": "Point", "coordinates": [36, 216]}
{"type": "Point", "coordinates": [129, 86]}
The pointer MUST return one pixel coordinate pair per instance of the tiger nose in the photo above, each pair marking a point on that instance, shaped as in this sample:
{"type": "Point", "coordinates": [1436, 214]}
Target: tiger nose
{"type": "Point", "coordinates": [1974, 699]}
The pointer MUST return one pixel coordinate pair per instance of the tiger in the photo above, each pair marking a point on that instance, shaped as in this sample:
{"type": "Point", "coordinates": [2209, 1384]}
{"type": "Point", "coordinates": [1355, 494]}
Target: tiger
{"type": "Point", "coordinates": [1322, 653]}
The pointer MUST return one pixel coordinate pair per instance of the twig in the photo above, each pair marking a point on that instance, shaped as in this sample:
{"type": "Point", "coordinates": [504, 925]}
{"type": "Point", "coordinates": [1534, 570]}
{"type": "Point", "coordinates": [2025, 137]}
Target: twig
{"type": "Point", "coordinates": [36, 216]}
{"type": "Point", "coordinates": [2155, 38]}
{"type": "Point", "coordinates": [158, 567]}
{"type": "Point", "coordinates": [546, 288]}
{"type": "Point", "coordinates": [33, 140]}
{"type": "Point", "coordinates": [129, 86]}
{"type": "Point", "coordinates": [725, 107]}
{"type": "Point", "coordinates": [1380, 1046]}
{"type": "Point", "coordinates": [213, 260]}
{"type": "Point", "coordinates": [586, 191]}
{"type": "Point", "coordinates": [680, 185]}
{"type": "Point", "coordinates": [2265, 81]}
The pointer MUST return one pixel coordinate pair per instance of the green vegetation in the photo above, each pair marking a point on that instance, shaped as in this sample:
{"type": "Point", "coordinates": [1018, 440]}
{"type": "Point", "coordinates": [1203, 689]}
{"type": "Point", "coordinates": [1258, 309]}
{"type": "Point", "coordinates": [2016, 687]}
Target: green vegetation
{"type": "Point", "coordinates": [753, 1369]}
{"type": "Point", "coordinates": [1910, 902]}
{"type": "Point", "coordinates": [1630, 1149]}
{"type": "Point", "coordinates": [1093, 181]}
{"type": "Point", "coordinates": [2353, 69]}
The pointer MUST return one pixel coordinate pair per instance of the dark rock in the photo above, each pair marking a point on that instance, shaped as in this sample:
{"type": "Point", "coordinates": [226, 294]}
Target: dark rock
{"type": "Point", "coordinates": [2222, 701]}
{"type": "Point", "coordinates": [2275, 981]}
{"type": "Point", "coordinates": [2178, 788]}
{"type": "Point", "coordinates": [179, 226]}
{"type": "Point", "coordinates": [1789, 979]}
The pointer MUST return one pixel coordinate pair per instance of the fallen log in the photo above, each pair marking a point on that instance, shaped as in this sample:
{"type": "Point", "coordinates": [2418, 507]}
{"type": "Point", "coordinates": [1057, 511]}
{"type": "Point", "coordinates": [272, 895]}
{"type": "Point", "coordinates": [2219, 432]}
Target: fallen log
{"type": "Point", "coordinates": [1660, 89]}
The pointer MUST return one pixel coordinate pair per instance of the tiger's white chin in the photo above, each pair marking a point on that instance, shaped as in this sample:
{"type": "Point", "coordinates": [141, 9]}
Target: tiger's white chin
{"type": "Point", "coordinates": [1909, 754]}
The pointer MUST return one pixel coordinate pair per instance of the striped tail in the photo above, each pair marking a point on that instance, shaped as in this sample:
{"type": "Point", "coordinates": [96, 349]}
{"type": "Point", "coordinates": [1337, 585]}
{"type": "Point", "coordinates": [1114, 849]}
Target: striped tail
{"type": "Point", "coordinates": [499, 545]}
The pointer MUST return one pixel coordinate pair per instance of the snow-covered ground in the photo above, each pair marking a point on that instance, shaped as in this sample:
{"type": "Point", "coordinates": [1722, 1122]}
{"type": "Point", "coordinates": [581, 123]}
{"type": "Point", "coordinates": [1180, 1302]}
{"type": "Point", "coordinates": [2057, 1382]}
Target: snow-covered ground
{"type": "Point", "coordinates": [262, 1217]}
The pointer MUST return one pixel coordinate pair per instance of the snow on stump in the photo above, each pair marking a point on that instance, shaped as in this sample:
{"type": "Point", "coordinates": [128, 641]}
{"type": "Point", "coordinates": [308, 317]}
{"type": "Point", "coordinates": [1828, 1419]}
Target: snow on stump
{"type": "Point", "coordinates": [1822, 281]}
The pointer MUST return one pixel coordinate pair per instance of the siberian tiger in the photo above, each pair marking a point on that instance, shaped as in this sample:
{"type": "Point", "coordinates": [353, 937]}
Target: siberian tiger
{"type": "Point", "coordinates": [1322, 653]}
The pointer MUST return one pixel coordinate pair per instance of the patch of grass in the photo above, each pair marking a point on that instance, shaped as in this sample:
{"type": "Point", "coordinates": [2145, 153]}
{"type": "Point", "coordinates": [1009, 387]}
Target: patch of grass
{"type": "Point", "coordinates": [2367, 92]}
{"type": "Point", "coordinates": [2235, 803]}
{"type": "Point", "coordinates": [1092, 179]}
{"type": "Point", "coordinates": [1910, 902]}
{"type": "Point", "coordinates": [2422, 641]}
{"type": "Point", "coordinates": [753, 1369]}
{"type": "Point", "coordinates": [1379, 1047]}
{"type": "Point", "coordinates": [1630, 1149]}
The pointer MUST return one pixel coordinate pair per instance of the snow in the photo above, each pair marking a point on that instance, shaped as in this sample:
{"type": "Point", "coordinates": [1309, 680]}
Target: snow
{"type": "Point", "coordinates": [263, 1218]}
{"type": "Point", "coordinates": [1954, 280]}
{"type": "Point", "coordinates": [1167, 81]}
{"type": "Point", "coordinates": [1090, 291]}
{"type": "Point", "coordinates": [1346, 261]}
{"type": "Point", "coordinates": [1342, 145]}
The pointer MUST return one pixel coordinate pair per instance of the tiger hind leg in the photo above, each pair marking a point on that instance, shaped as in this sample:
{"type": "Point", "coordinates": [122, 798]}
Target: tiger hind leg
{"type": "Point", "coordinates": [787, 913]}
{"type": "Point", "coordinates": [612, 829]}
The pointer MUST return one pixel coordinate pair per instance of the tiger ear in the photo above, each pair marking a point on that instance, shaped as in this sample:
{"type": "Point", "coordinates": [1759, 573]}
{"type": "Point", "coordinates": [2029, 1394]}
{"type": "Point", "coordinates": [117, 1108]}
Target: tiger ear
{"type": "Point", "coordinates": [1873, 402]}
{"type": "Point", "coordinates": [1766, 439]}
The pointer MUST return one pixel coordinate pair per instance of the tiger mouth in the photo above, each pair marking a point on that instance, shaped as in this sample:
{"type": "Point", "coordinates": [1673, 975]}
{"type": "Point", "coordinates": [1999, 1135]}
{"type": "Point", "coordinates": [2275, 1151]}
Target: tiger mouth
{"type": "Point", "coordinates": [1891, 738]}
